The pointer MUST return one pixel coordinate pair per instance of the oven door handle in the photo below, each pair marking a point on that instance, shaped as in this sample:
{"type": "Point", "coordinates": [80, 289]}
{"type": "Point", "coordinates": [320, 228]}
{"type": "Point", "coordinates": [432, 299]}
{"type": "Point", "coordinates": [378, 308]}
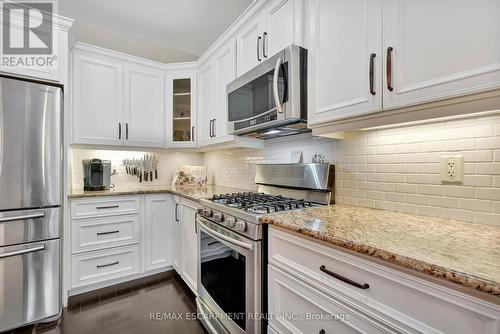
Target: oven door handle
{"type": "Point", "coordinates": [276, 92]}
{"type": "Point", "coordinates": [218, 235]}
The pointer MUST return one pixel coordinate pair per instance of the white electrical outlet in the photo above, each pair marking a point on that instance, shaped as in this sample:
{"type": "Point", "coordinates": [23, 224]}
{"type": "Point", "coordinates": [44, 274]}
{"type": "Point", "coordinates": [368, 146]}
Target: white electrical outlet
{"type": "Point", "coordinates": [452, 169]}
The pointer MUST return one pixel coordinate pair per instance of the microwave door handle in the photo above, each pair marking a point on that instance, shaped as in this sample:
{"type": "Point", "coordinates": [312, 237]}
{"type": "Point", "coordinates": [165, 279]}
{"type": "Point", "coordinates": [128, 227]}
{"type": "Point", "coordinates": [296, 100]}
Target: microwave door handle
{"type": "Point", "coordinates": [276, 94]}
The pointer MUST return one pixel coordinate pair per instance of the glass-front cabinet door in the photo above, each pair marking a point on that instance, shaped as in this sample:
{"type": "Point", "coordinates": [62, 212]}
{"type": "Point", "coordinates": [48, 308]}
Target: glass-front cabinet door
{"type": "Point", "coordinates": [181, 111]}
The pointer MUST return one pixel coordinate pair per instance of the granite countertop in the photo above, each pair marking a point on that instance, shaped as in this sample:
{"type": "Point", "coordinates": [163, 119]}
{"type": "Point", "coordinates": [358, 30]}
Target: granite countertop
{"type": "Point", "coordinates": [460, 252]}
{"type": "Point", "coordinates": [192, 193]}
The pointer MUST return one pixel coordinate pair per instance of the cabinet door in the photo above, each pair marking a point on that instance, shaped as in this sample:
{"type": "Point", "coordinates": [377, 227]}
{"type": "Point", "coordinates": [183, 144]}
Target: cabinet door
{"type": "Point", "coordinates": [225, 72]}
{"type": "Point", "coordinates": [158, 231]}
{"type": "Point", "coordinates": [205, 103]}
{"type": "Point", "coordinates": [441, 49]}
{"type": "Point", "coordinates": [344, 38]}
{"type": "Point", "coordinates": [145, 106]}
{"type": "Point", "coordinates": [249, 46]}
{"type": "Point", "coordinates": [189, 244]}
{"type": "Point", "coordinates": [181, 109]}
{"type": "Point", "coordinates": [283, 26]}
{"type": "Point", "coordinates": [176, 236]}
{"type": "Point", "coordinates": [97, 100]}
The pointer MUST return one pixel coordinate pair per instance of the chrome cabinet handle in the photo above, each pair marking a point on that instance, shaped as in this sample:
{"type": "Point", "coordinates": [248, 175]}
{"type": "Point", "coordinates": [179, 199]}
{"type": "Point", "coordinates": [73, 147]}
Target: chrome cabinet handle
{"type": "Point", "coordinates": [107, 265]}
{"type": "Point", "coordinates": [119, 130]}
{"type": "Point", "coordinates": [264, 44]}
{"type": "Point", "coordinates": [276, 94]}
{"type": "Point", "coordinates": [176, 212]}
{"type": "Point", "coordinates": [210, 128]}
{"type": "Point", "coordinates": [388, 68]}
{"type": "Point", "coordinates": [213, 127]}
{"type": "Point", "coordinates": [259, 40]}
{"type": "Point", "coordinates": [196, 222]}
{"type": "Point", "coordinates": [344, 279]}
{"type": "Point", "coordinates": [109, 232]}
{"type": "Point", "coordinates": [372, 58]}
{"type": "Point", "coordinates": [22, 251]}
{"type": "Point", "coordinates": [22, 217]}
{"type": "Point", "coordinates": [107, 207]}
{"type": "Point", "coordinates": [126, 131]}
{"type": "Point", "coordinates": [192, 133]}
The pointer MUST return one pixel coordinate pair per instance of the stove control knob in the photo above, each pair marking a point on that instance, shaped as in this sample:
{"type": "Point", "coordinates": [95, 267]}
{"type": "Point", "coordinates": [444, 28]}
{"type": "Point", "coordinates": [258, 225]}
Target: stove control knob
{"type": "Point", "coordinates": [240, 226]}
{"type": "Point", "coordinates": [231, 222]}
{"type": "Point", "coordinates": [207, 212]}
{"type": "Point", "coordinates": [218, 216]}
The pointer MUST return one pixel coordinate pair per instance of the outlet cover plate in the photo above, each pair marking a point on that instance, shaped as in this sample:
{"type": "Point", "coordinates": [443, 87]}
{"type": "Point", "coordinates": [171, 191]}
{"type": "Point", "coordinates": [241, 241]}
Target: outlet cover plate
{"type": "Point", "coordinates": [452, 169]}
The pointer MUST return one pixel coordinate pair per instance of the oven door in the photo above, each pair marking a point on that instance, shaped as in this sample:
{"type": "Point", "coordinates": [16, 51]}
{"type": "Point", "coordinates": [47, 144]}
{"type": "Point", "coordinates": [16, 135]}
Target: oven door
{"type": "Point", "coordinates": [229, 281]}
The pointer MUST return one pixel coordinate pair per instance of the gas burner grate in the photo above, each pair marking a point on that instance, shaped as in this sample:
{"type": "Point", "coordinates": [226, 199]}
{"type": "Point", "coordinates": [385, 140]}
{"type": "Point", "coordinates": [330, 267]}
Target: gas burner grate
{"type": "Point", "coordinates": [260, 203]}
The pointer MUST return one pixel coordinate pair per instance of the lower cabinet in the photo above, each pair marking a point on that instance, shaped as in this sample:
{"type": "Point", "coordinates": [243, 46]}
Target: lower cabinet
{"type": "Point", "coordinates": [189, 243]}
{"type": "Point", "coordinates": [176, 236]}
{"type": "Point", "coordinates": [303, 289]}
{"type": "Point", "coordinates": [157, 231]}
{"type": "Point", "coordinates": [118, 238]}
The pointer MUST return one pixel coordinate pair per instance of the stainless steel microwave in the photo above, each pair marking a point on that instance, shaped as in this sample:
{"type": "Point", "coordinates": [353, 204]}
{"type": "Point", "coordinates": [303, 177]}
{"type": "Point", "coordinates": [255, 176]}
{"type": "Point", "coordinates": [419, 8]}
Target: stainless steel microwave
{"type": "Point", "coordinates": [271, 99]}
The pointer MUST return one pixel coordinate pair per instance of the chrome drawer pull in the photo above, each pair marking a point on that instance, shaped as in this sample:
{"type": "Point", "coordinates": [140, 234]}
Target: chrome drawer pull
{"type": "Point", "coordinates": [23, 251]}
{"type": "Point", "coordinates": [22, 217]}
{"type": "Point", "coordinates": [107, 207]}
{"type": "Point", "coordinates": [108, 265]}
{"type": "Point", "coordinates": [344, 279]}
{"type": "Point", "coordinates": [109, 232]}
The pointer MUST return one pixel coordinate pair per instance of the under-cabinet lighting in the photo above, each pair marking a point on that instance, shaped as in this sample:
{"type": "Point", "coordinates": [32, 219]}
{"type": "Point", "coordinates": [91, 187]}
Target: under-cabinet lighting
{"type": "Point", "coordinates": [434, 120]}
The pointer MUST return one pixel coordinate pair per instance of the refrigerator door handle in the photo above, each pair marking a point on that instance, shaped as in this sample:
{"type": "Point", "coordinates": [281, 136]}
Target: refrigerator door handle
{"type": "Point", "coordinates": [22, 217]}
{"type": "Point", "coordinates": [22, 251]}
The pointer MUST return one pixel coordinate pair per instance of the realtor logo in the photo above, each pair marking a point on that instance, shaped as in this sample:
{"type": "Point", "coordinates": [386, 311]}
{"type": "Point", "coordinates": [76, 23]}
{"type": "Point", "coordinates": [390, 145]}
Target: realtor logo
{"type": "Point", "coordinates": [27, 28]}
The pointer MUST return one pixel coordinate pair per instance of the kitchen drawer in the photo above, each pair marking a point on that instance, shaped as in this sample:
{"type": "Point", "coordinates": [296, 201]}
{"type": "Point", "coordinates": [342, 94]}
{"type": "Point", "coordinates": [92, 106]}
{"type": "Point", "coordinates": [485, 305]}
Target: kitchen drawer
{"type": "Point", "coordinates": [98, 233]}
{"type": "Point", "coordinates": [414, 304]}
{"type": "Point", "coordinates": [98, 266]}
{"type": "Point", "coordinates": [302, 309]}
{"type": "Point", "coordinates": [105, 206]}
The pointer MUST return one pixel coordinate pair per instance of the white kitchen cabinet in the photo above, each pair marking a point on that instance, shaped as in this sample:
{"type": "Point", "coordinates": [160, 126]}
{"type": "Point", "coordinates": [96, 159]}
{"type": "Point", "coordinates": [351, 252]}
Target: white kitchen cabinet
{"type": "Point", "coordinates": [288, 296]}
{"type": "Point", "coordinates": [157, 231]}
{"type": "Point", "coordinates": [344, 44]}
{"type": "Point", "coordinates": [413, 63]}
{"type": "Point", "coordinates": [117, 99]}
{"type": "Point", "coordinates": [176, 236]}
{"type": "Point", "coordinates": [276, 27]}
{"type": "Point", "coordinates": [189, 240]}
{"type": "Point", "coordinates": [249, 45]}
{"type": "Point", "coordinates": [305, 274]}
{"type": "Point", "coordinates": [206, 110]}
{"type": "Point", "coordinates": [454, 53]}
{"type": "Point", "coordinates": [181, 108]}
{"type": "Point", "coordinates": [283, 25]}
{"type": "Point", "coordinates": [144, 106]}
{"type": "Point", "coordinates": [97, 100]}
{"type": "Point", "coordinates": [57, 62]}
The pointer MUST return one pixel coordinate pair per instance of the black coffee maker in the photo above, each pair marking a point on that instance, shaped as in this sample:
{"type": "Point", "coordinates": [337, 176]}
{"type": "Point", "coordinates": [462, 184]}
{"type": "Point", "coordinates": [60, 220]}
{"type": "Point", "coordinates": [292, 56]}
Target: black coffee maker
{"type": "Point", "coordinates": [96, 174]}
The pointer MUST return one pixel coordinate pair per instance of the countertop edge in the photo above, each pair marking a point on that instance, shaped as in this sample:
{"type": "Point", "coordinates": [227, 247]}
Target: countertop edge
{"type": "Point", "coordinates": [467, 280]}
{"type": "Point", "coordinates": [136, 192]}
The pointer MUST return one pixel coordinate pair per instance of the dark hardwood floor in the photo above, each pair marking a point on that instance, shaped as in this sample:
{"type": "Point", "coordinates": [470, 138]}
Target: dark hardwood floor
{"type": "Point", "coordinates": [126, 308]}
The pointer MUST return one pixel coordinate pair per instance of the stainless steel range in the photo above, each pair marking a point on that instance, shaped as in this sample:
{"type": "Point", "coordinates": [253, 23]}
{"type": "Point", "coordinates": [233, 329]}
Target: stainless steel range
{"type": "Point", "coordinates": [231, 273]}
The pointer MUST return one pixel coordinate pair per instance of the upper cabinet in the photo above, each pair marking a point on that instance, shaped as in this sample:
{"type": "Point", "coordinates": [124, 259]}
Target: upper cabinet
{"type": "Point", "coordinates": [181, 116]}
{"type": "Point", "coordinates": [455, 51]}
{"type": "Point", "coordinates": [345, 60]}
{"type": "Point", "coordinates": [144, 106]}
{"type": "Point", "coordinates": [116, 102]}
{"type": "Point", "coordinates": [205, 103]}
{"type": "Point", "coordinates": [276, 27]}
{"type": "Point", "coordinates": [97, 100]}
{"type": "Point", "coordinates": [367, 56]}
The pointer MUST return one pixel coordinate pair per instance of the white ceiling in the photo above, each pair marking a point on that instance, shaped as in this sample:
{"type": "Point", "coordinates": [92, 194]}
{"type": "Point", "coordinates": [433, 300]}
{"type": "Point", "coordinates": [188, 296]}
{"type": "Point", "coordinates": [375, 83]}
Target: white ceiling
{"type": "Point", "coordinates": [163, 30]}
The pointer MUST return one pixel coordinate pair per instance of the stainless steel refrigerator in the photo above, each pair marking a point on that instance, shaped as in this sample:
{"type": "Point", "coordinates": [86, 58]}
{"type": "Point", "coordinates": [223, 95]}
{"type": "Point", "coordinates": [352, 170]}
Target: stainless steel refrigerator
{"type": "Point", "coordinates": [30, 201]}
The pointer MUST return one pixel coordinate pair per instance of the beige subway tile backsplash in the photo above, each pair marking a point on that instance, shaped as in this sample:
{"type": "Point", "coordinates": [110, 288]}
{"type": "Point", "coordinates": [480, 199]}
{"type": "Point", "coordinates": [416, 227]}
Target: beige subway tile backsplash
{"type": "Point", "coordinates": [393, 169]}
